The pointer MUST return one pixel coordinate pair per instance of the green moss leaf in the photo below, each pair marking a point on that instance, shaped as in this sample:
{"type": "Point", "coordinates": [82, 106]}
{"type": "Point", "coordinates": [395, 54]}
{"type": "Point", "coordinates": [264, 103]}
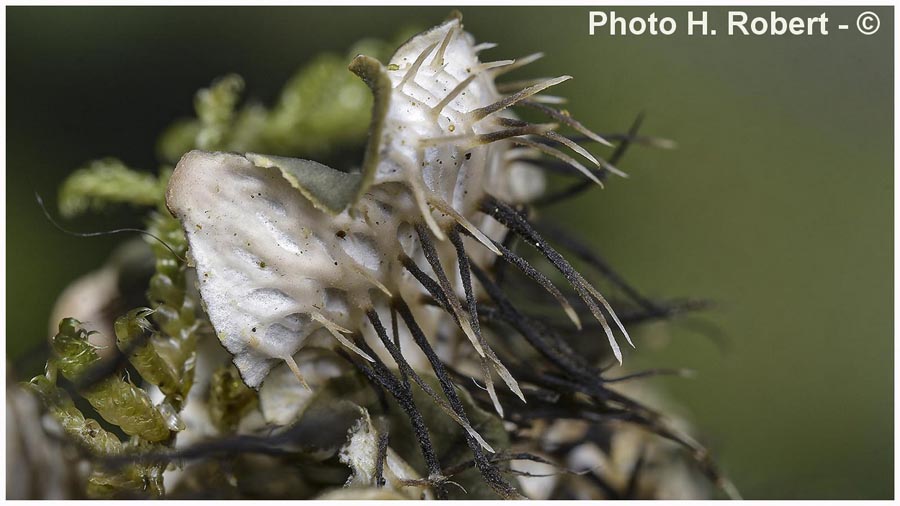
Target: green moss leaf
{"type": "Point", "coordinates": [105, 182]}
{"type": "Point", "coordinates": [118, 401]}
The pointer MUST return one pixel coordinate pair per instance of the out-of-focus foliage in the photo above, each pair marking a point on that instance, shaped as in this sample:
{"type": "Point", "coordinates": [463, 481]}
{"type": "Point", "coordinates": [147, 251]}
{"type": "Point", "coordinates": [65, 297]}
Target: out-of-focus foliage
{"type": "Point", "coordinates": [322, 108]}
{"type": "Point", "coordinates": [229, 399]}
{"type": "Point", "coordinates": [108, 181]}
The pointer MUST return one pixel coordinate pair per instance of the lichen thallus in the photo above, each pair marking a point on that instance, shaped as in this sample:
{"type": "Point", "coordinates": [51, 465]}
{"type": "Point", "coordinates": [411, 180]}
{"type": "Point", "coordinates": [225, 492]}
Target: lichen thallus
{"type": "Point", "coordinates": [291, 254]}
{"type": "Point", "coordinates": [278, 264]}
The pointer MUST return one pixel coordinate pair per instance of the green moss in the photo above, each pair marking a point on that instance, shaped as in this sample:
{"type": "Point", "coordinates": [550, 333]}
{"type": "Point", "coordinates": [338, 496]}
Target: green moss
{"type": "Point", "coordinates": [105, 182]}
{"type": "Point", "coordinates": [118, 401]}
{"type": "Point", "coordinates": [229, 399]}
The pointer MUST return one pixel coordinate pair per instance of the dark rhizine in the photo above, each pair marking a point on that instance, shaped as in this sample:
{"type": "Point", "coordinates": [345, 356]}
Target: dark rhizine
{"type": "Point", "coordinates": [577, 188]}
{"type": "Point", "coordinates": [401, 390]}
{"type": "Point", "coordinates": [487, 468]}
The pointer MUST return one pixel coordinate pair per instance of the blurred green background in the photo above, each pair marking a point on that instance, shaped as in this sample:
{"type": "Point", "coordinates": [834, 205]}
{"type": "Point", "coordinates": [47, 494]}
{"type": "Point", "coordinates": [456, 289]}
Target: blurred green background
{"type": "Point", "coordinates": [777, 204]}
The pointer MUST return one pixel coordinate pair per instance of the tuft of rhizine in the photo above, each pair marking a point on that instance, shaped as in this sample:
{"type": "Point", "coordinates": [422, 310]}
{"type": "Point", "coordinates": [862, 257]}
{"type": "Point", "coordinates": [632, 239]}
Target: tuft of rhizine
{"type": "Point", "coordinates": [290, 252]}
